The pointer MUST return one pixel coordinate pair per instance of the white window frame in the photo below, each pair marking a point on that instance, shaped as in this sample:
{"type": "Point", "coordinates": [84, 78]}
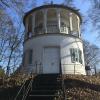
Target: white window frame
{"type": "Point", "coordinates": [76, 55]}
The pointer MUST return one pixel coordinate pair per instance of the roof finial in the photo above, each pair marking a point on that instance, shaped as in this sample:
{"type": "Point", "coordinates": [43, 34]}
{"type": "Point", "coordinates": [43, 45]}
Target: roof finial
{"type": "Point", "coordinates": [51, 2]}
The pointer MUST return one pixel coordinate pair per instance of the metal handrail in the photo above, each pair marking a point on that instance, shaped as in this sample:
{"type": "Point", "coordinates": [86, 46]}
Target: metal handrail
{"type": "Point", "coordinates": [63, 84]}
{"type": "Point", "coordinates": [28, 89]}
{"type": "Point", "coordinates": [21, 89]}
{"type": "Point", "coordinates": [38, 68]}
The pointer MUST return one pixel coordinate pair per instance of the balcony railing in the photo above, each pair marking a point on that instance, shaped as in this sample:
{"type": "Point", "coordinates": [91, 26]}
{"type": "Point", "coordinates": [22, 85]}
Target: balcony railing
{"type": "Point", "coordinates": [64, 30]}
{"type": "Point", "coordinates": [39, 30]}
{"type": "Point", "coordinates": [52, 29]}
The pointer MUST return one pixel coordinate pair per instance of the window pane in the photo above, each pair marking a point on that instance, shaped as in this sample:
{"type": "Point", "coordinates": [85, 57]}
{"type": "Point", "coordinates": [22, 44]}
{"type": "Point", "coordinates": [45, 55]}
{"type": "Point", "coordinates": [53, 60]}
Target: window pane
{"type": "Point", "coordinates": [30, 56]}
{"type": "Point", "coordinates": [30, 24]}
{"type": "Point", "coordinates": [80, 56]}
{"type": "Point", "coordinates": [76, 55]}
{"type": "Point", "coordinates": [72, 55]}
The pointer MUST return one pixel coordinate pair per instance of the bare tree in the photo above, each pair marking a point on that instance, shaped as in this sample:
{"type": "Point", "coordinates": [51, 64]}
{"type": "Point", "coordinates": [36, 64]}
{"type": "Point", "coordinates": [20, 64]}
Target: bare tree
{"type": "Point", "coordinates": [10, 42]}
{"type": "Point", "coordinates": [13, 49]}
{"type": "Point", "coordinates": [10, 38]}
{"type": "Point", "coordinates": [4, 23]}
{"type": "Point", "coordinates": [68, 2]}
{"type": "Point", "coordinates": [46, 2]}
{"type": "Point", "coordinates": [92, 55]}
{"type": "Point", "coordinates": [94, 15]}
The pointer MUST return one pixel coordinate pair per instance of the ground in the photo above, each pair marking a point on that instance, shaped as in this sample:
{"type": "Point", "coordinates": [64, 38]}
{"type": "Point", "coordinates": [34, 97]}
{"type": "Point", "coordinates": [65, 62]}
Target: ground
{"type": "Point", "coordinates": [82, 87]}
{"type": "Point", "coordinates": [77, 87]}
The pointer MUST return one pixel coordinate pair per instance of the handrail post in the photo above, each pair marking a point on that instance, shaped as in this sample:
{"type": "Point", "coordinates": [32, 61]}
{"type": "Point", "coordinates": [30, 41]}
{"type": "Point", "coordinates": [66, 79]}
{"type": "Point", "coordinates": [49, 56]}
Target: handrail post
{"type": "Point", "coordinates": [74, 68]}
{"type": "Point", "coordinates": [23, 90]}
{"type": "Point", "coordinates": [36, 66]}
{"type": "Point", "coordinates": [31, 83]}
{"type": "Point", "coordinates": [63, 84]}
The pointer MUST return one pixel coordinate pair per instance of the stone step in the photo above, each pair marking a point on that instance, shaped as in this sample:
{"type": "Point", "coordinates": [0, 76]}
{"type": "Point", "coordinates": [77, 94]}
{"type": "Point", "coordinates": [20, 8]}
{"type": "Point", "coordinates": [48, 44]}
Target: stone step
{"type": "Point", "coordinates": [43, 92]}
{"type": "Point", "coordinates": [40, 98]}
{"type": "Point", "coordinates": [46, 87]}
{"type": "Point", "coordinates": [41, 79]}
{"type": "Point", "coordinates": [42, 95]}
{"type": "Point", "coordinates": [46, 84]}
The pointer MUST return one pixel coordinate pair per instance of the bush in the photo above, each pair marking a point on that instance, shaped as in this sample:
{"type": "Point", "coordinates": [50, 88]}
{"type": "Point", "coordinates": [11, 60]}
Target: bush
{"type": "Point", "coordinates": [2, 73]}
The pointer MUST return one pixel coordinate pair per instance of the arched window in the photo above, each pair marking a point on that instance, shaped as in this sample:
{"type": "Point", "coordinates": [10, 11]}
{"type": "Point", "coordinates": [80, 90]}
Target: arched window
{"type": "Point", "coordinates": [75, 25]}
{"type": "Point", "coordinates": [30, 56]}
{"type": "Point", "coordinates": [30, 26]}
{"type": "Point", "coordinates": [76, 55]}
{"type": "Point", "coordinates": [52, 21]}
{"type": "Point", "coordinates": [65, 25]}
{"type": "Point", "coordinates": [39, 22]}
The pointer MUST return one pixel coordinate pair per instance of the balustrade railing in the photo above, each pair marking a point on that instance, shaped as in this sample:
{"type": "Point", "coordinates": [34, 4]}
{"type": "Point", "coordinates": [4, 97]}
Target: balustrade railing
{"type": "Point", "coordinates": [64, 30]}
{"type": "Point", "coordinates": [39, 30]}
{"type": "Point", "coordinates": [52, 28]}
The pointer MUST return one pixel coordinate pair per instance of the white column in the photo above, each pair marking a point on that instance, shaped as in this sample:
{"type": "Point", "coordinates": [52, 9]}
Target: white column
{"type": "Point", "coordinates": [78, 21]}
{"type": "Point", "coordinates": [70, 21]}
{"type": "Point", "coordinates": [45, 20]}
{"type": "Point", "coordinates": [58, 18]}
{"type": "Point", "coordinates": [33, 24]}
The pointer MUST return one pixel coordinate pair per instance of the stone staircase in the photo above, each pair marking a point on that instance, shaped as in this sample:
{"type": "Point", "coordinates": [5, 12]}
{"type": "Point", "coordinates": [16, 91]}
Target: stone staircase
{"type": "Point", "coordinates": [45, 87]}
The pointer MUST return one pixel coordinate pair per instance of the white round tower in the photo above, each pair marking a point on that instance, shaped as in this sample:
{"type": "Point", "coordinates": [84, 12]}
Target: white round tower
{"type": "Point", "coordinates": [53, 41]}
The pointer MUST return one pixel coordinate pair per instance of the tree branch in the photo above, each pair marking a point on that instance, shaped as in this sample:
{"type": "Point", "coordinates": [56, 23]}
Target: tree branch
{"type": "Point", "coordinates": [4, 3]}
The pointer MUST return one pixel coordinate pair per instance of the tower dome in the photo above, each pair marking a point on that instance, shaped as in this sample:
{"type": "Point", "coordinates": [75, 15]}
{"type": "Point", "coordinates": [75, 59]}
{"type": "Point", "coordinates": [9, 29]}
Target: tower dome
{"type": "Point", "coordinates": [53, 41]}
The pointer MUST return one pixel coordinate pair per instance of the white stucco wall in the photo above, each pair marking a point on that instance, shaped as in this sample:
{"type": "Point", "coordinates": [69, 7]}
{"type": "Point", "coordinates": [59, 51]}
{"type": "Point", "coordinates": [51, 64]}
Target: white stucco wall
{"type": "Point", "coordinates": [65, 42]}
